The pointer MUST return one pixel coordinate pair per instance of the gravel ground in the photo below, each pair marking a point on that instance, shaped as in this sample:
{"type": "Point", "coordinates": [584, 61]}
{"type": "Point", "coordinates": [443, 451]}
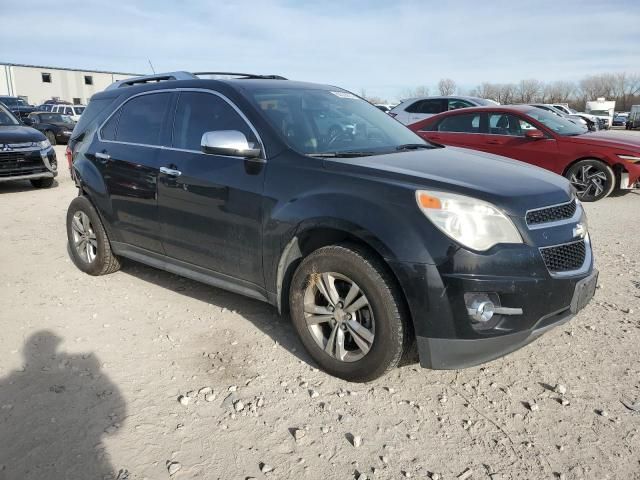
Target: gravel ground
{"type": "Point", "coordinates": [103, 377]}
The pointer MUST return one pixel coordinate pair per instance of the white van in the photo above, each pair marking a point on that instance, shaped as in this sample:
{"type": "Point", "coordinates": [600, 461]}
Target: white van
{"type": "Point", "coordinates": [602, 109]}
{"type": "Point", "coordinates": [74, 111]}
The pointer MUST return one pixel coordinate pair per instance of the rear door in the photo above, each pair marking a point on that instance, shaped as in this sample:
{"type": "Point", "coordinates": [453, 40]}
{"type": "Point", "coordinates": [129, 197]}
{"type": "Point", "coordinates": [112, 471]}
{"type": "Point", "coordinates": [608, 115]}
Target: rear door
{"type": "Point", "coordinates": [458, 130]}
{"type": "Point", "coordinates": [506, 136]}
{"type": "Point", "coordinates": [211, 205]}
{"type": "Point", "coordinates": [127, 153]}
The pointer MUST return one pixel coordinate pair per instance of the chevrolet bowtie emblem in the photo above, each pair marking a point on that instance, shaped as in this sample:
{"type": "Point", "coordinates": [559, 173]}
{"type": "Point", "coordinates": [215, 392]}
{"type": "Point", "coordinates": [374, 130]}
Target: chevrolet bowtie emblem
{"type": "Point", "coordinates": [579, 231]}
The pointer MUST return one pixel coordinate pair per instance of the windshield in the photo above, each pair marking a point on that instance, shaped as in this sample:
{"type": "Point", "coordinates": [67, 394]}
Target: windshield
{"type": "Point", "coordinates": [559, 125]}
{"type": "Point", "coordinates": [6, 118]}
{"type": "Point", "coordinates": [14, 102]}
{"type": "Point", "coordinates": [316, 121]}
{"type": "Point", "coordinates": [55, 117]}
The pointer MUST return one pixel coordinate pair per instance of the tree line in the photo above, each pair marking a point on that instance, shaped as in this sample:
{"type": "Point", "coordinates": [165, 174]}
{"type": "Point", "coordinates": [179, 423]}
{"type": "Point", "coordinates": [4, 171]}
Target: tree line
{"type": "Point", "coordinates": [623, 87]}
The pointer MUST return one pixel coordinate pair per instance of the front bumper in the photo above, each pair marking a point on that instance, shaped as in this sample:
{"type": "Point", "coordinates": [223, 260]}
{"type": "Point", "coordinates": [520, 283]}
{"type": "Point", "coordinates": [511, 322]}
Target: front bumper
{"type": "Point", "coordinates": [28, 164]}
{"type": "Point", "coordinates": [447, 338]}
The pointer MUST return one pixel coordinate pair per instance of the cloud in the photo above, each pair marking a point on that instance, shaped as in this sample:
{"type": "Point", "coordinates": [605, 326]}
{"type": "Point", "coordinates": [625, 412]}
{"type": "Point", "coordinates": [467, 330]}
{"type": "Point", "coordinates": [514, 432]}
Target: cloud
{"type": "Point", "coordinates": [382, 47]}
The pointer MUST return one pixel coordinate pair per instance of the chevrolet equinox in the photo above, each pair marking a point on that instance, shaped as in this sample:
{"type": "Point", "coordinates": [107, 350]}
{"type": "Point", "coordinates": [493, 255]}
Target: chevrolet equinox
{"type": "Point", "coordinates": [309, 198]}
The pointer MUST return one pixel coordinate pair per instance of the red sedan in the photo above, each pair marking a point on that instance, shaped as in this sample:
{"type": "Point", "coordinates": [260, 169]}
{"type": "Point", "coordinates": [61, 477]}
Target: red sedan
{"type": "Point", "coordinates": [595, 163]}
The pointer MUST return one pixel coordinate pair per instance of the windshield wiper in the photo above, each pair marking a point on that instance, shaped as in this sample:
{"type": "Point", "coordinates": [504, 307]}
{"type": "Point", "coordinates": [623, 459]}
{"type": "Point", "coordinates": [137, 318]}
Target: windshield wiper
{"type": "Point", "coordinates": [413, 146]}
{"type": "Point", "coordinates": [341, 154]}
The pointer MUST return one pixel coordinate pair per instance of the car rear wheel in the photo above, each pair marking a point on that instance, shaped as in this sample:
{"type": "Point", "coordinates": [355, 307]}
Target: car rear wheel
{"type": "Point", "coordinates": [89, 246]}
{"type": "Point", "coordinates": [348, 312]}
{"type": "Point", "coordinates": [51, 137]}
{"type": "Point", "coordinates": [592, 179]}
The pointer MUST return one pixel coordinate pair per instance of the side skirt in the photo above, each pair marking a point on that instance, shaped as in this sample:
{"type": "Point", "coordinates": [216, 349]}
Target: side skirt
{"type": "Point", "coordinates": [191, 271]}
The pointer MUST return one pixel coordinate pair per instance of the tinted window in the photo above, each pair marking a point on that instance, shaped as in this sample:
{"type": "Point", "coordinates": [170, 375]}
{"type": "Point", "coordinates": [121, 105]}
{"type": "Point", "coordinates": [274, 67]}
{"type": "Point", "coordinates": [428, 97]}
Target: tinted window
{"type": "Point", "coordinates": [505, 124]}
{"type": "Point", "coordinates": [141, 119]}
{"type": "Point", "coordinates": [197, 113]}
{"type": "Point", "coordinates": [108, 132]}
{"type": "Point", "coordinates": [469, 123]}
{"type": "Point", "coordinates": [427, 106]}
{"type": "Point", "coordinates": [93, 109]}
{"type": "Point", "coordinates": [455, 103]}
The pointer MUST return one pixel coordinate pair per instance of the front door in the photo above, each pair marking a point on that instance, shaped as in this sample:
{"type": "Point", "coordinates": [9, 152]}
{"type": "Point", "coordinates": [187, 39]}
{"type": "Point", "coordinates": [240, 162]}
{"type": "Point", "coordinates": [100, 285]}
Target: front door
{"type": "Point", "coordinates": [211, 205]}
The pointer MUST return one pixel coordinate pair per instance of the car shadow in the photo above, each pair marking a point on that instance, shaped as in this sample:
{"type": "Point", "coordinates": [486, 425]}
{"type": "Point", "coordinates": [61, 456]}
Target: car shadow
{"type": "Point", "coordinates": [15, 186]}
{"type": "Point", "coordinates": [262, 315]}
{"type": "Point", "coordinates": [54, 414]}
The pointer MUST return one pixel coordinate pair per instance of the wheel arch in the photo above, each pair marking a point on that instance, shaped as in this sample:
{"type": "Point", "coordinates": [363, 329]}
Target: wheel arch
{"type": "Point", "coordinates": [618, 168]}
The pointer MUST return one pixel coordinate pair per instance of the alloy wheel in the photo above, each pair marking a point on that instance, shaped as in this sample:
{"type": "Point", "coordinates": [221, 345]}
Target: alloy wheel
{"type": "Point", "coordinates": [589, 180]}
{"type": "Point", "coordinates": [339, 316]}
{"type": "Point", "coordinates": [84, 238]}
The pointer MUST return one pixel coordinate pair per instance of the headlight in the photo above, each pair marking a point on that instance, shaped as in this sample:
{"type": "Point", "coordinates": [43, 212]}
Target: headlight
{"type": "Point", "coordinates": [43, 145]}
{"type": "Point", "coordinates": [630, 158]}
{"type": "Point", "coordinates": [474, 223]}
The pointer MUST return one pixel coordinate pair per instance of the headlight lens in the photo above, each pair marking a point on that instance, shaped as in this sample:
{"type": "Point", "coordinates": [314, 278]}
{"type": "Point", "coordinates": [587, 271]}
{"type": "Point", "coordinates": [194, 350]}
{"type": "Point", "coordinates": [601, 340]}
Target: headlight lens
{"type": "Point", "coordinates": [43, 145]}
{"type": "Point", "coordinates": [474, 223]}
{"type": "Point", "coordinates": [630, 158]}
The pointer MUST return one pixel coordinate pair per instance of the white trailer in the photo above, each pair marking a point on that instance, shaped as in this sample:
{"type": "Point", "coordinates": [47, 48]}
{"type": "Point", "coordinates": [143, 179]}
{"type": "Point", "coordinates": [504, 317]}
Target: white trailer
{"type": "Point", "coordinates": [602, 109]}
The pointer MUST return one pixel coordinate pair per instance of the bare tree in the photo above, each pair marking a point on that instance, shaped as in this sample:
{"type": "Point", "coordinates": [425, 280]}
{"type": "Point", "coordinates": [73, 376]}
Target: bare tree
{"type": "Point", "coordinates": [421, 91]}
{"type": "Point", "coordinates": [557, 92]}
{"type": "Point", "coordinates": [506, 93]}
{"type": "Point", "coordinates": [447, 86]}
{"type": "Point", "coordinates": [528, 90]}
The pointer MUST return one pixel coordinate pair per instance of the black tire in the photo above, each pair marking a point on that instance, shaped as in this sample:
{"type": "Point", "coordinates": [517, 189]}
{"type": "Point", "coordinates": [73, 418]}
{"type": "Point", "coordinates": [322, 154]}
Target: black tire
{"type": "Point", "coordinates": [593, 179]}
{"type": "Point", "coordinates": [42, 182]}
{"type": "Point", "coordinates": [51, 137]}
{"type": "Point", "coordinates": [105, 260]}
{"type": "Point", "coordinates": [391, 338]}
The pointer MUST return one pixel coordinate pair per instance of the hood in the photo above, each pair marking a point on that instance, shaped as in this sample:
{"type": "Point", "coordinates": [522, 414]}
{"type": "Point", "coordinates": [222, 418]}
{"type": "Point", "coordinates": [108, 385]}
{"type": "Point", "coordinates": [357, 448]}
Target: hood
{"type": "Point", "coordinates": [19, 134]}
{"type": "Point", "coordinates": [66, 125]}
{"type": "Point", "coordinates": [607, 139]}
{"type": "Point", "coordinates": [513, 186]}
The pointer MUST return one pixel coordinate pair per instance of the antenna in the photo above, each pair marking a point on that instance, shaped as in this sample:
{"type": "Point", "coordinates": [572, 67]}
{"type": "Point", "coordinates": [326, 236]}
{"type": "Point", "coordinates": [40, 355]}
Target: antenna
{"type": "Point", "coordinates": [151, 65]}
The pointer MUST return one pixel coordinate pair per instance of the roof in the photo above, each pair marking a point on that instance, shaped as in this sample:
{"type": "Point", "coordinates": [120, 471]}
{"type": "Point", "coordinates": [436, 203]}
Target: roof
{"type": "Point", "coordinates": [44, 67]}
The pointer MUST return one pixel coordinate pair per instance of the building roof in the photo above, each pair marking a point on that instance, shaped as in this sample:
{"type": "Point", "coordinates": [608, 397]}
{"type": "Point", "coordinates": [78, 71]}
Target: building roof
{"type": "Point", "coordinates": [66, 68]}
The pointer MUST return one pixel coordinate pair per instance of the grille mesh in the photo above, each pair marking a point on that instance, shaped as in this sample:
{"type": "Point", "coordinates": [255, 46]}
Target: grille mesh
{"type": "Point", "coordinates": [551, 214]}
{"type": "Point", "coordinates": [564, 258]}
{"type": "Point", "coordinates": [15, 163]}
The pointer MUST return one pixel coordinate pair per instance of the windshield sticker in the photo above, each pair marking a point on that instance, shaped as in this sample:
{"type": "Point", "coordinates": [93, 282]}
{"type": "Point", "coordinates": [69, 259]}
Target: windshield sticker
{"type": "Point", "coordinates": [345, 95]}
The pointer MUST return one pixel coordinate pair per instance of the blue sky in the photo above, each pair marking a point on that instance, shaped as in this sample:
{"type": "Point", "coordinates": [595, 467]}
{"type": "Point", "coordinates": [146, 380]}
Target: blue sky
{"type": "Point", "coordinates": [383, 47]}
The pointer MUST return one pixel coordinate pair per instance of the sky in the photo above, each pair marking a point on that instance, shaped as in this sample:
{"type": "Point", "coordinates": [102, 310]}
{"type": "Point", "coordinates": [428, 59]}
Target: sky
{"type": "Point", "coordinates": [379, 47]}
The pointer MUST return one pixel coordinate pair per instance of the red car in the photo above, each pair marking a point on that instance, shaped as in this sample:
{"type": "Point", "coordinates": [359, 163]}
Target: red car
{"type": "Point", "coordinates": [595, 163]}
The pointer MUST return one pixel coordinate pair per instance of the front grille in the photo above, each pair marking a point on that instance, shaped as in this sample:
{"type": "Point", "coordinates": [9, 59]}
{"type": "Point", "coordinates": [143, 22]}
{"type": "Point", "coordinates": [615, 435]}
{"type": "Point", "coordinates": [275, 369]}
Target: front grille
{"type": "Point", "coordinates": [551, 214]}
{"type": "Point", "coordinates": [564, 258]}
{"type": "Point", "coordinates": [18, 163]}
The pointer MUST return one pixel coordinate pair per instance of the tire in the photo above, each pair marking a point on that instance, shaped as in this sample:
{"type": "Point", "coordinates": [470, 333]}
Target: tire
{"type": "Point", "coordinates": [93, 256]}
{"type": "Point", "coordinates": [42, 182]}
{"type": "Point", "coordinates": [593, 179]}
{"type": "Point", "coordinates": [381, 322]}
{"type": "Point", "coordinates": [51, 137]}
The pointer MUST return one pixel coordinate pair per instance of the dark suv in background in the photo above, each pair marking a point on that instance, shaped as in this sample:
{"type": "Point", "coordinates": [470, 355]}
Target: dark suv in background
{"type": "Point", "coordinates": [369, 236]}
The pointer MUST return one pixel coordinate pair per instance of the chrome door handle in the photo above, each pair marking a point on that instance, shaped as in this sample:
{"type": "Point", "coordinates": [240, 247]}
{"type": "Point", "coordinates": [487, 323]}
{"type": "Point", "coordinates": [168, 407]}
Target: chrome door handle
{"type": "Point", "coordinates": [103, 156]}
{"type": "Point", "coordinates": [170, 171]}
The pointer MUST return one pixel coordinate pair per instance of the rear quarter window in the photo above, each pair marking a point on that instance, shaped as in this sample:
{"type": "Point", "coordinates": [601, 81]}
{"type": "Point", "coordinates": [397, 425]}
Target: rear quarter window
{"type": "Point", "coordinates": [95, 108]}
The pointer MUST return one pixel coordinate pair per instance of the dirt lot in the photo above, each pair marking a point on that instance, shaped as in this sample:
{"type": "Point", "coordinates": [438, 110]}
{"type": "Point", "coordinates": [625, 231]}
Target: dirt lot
{"type": "Point", "coordinates": [91, 370]}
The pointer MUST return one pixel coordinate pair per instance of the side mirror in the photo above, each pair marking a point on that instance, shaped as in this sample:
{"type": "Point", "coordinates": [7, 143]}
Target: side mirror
{"type": "Point", "coordinates": [534, 134]}
{"type": "Point", "coordinates": [228, 142]}
{"type": "Point", "coordinates": [27, 121]}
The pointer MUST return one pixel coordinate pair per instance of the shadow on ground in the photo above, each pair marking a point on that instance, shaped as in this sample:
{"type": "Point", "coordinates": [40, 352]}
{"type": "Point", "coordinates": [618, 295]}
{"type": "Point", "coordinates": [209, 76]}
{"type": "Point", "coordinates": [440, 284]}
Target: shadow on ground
{"type": "Point", "coordinates": [54, 413]}
{"type": "Point", "coordinates": [20, 186]}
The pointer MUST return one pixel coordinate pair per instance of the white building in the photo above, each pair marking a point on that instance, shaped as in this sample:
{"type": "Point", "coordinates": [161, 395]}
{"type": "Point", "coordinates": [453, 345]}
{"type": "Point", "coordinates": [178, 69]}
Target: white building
{"type": "Point", "coordinates": [37, 83]}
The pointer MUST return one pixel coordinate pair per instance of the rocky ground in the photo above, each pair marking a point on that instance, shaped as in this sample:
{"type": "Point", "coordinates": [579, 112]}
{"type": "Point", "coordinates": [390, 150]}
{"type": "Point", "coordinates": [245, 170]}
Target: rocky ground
{"type": "Point", "coordinates": [142, 374]}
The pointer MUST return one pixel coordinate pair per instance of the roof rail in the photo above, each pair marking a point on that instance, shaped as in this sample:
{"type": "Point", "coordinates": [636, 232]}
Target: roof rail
{"type": "Point", "coordinates": [160, 77]}
{"type": "Point", "coordinates": [241, 75]}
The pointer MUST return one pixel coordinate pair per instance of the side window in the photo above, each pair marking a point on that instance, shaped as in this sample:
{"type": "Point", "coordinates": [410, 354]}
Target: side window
{"type": "Point", "coordinates": [141, 119]}
{"type": "Point", "coordinates": [505, 124]}
{"type": "Point", "coordinates": [467, 123]}
{"type": "Point", "coordinates": [455, 103]}
{"type": "Point", "coordinates": [68, 111]}
{"type": "Point", "coordinates": [432, 106]}
{"type": "Point", "coordinates": [108, 132]}
{"type": "Point", "coordinates": [199, 112]}
{"type": "Point", "coordinates": [414, 107]}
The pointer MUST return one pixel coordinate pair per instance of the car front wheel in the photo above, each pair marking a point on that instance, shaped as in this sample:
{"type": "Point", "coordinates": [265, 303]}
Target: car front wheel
{"type": "Point", "coordinates": [592, 179]}
{"type": "Point", "coordinates": [348, 312]}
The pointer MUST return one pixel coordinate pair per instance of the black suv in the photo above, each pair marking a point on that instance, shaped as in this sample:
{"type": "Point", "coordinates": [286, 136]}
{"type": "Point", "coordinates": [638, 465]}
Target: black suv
{"type": "Point", "coordinates": [25, 153]}
{"type": "Point", "coordinates": [371, 238]}
{"type": "Point", "coordinates": [18, 106]}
